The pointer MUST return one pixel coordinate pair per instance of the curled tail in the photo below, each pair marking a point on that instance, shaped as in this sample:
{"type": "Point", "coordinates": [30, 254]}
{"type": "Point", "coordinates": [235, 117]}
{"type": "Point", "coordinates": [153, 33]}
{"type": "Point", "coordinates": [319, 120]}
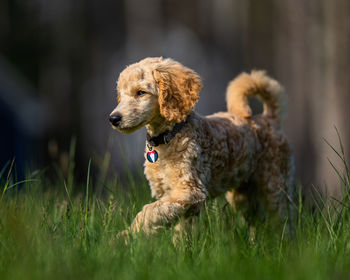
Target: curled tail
{"type": "Point", "coordinates": [257, 83]}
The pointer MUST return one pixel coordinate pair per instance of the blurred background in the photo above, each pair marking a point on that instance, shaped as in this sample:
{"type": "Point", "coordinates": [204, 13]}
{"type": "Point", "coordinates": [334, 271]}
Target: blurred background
{"type": "Point", "coordinates": [60, 59]}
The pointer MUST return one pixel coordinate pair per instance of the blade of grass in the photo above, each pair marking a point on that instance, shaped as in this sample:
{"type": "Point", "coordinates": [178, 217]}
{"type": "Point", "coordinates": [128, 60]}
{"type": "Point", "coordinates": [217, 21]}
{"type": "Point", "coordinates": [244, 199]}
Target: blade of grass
{"type": "Point", "coordinates": [337, 171]}
{"type": "Point", "coordinates": [206, 206]}
{"type": "Point", "coordinates": [347, 172]}
{"type": "Point", "coordinates": [340, 202]}
{"type": "Point", "coordinates": [67, 192]}
{"type": "Point", "coordinates": [341, 155]}
{"type": "Point", "coordinates": [71, 167]}
{"type": "Point", "coordinates": [86, 206]}
{"type": "Point", "coordinates": [300, 206]}
{"type": "Point", "coordinates": [331, 146]}
{"type": "Point", "coordinates": [7, 179]}
{"type": "Point", "coordinates": [21, 182]}
{"type": "Point", "coordinates": [4, 168]}
{"type": "Point", "coordinates": [282, 238]}
{"type": "Point", "coordinates": [104, 166]}
{"type": "Point", "coordinates": [327, 223]}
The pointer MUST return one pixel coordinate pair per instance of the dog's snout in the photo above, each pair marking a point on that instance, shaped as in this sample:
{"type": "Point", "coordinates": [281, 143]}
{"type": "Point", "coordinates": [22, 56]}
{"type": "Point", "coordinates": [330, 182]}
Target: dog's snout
{"type": "Point", "coordinates": [115, 119]}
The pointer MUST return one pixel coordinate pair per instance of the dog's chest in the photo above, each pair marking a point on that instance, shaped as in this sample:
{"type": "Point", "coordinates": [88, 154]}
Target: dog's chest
{"type": "Point", "coordinates": [171, 168]}
{"type": "Point", "coordinates": [161, 177]}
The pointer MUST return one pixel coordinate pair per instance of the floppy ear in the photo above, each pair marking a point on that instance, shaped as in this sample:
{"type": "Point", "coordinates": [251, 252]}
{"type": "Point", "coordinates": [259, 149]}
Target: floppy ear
{"type": "Point", "coordinates": [179, 89]}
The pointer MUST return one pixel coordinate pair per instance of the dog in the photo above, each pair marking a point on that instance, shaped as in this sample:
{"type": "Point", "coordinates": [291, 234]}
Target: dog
{"type": "Point", "coordinates": [191, 158]}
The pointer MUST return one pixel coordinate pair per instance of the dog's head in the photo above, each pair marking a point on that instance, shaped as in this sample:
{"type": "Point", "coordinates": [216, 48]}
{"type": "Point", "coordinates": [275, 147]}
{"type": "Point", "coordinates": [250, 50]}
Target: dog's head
{"type": "Point", "coordinates": [151, 89]}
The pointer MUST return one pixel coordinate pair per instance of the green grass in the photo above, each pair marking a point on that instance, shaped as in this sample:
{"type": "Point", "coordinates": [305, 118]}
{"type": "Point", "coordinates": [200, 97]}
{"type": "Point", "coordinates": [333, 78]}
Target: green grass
{"type": "Point", "coordinates": [50, 231]}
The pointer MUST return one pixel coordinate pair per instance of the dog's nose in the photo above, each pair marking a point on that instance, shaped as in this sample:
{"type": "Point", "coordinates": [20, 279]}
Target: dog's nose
{"type": "Point", "coordinates": [115, 119]}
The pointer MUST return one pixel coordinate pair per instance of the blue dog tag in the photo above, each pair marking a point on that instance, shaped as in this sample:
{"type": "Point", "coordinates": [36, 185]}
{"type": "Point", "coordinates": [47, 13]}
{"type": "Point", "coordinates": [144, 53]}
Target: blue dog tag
{"type": "Point", "coordinates": [152, 156]}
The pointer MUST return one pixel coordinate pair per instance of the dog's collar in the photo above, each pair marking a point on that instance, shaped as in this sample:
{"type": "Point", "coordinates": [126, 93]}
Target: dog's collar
{"type": "Point", "coordinates": [165, 137]}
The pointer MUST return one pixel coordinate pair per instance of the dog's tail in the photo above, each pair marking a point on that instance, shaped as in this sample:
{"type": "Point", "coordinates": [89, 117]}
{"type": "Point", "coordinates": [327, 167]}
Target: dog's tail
{"type": "Point", "coordinates": [257, 83]}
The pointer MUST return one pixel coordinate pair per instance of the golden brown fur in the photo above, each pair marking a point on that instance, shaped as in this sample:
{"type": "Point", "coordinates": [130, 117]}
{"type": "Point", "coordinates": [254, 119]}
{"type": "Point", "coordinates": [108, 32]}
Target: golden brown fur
{"type": "Point", "coordinates": [247, 157]}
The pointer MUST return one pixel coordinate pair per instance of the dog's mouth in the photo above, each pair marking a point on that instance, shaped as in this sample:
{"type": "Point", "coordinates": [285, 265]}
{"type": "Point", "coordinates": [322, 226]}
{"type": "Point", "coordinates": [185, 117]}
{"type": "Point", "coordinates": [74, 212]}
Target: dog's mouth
{"type": "Point", "coordinates": [129, 129]}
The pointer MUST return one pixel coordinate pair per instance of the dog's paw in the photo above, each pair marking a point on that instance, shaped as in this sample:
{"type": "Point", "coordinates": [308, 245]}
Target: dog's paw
{"type": "Point", "coordinates": [124, 236]}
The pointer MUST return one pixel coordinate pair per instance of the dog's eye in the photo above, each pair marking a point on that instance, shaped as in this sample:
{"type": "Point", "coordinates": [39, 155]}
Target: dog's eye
{"type": "Point", "coordinates": [140, 92]}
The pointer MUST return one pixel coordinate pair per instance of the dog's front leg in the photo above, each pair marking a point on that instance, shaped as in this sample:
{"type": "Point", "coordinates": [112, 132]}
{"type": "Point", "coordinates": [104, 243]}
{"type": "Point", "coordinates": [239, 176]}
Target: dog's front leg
{"type": "Point", "coordinates": [164, 212]}
{"type": "Point", "coordinates": [156, 215]}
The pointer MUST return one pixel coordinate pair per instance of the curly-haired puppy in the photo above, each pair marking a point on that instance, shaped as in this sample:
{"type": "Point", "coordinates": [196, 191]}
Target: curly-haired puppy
{"type": "Point", "coordinates": [190, 158]}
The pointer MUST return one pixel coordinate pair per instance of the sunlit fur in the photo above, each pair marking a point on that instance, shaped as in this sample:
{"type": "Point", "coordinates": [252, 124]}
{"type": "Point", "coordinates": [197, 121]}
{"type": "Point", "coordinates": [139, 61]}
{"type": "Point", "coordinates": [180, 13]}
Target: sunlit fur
{"type": "Point", "coordinates": [234, 153]}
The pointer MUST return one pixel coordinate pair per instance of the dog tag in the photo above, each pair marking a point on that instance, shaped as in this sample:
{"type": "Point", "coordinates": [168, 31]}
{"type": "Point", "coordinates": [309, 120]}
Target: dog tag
{"type": "Point", "coordinates": [152, 156]}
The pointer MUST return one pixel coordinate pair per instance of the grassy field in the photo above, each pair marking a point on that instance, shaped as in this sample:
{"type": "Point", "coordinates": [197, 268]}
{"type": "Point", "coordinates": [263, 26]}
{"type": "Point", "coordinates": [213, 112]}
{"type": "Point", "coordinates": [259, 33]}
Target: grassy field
{"type": "Point", "coordinates": [64, 234]}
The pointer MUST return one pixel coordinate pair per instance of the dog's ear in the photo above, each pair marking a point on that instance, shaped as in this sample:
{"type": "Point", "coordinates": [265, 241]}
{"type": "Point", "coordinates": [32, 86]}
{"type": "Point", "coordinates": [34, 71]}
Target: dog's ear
{"type": "Point", "coordinates": [179, 89]}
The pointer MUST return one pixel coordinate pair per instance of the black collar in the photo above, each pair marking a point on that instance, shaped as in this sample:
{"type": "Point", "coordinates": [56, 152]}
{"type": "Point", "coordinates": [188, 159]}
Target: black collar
{"type": "Point", "coordinates": [165, 137]}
